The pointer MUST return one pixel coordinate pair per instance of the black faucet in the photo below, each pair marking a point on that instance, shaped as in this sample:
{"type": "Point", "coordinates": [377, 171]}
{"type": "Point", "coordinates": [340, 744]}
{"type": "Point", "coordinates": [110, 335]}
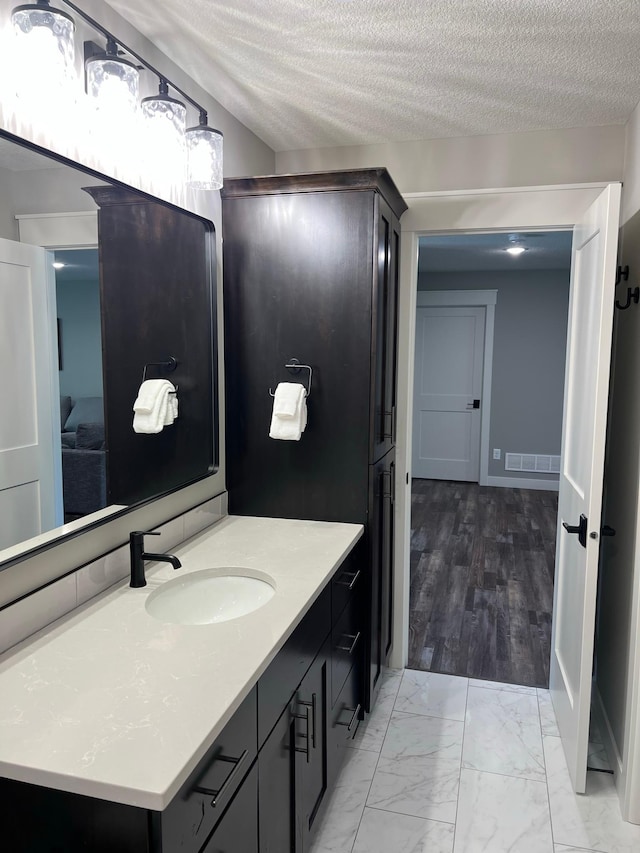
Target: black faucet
{"type": "Point", "coordinates": [138, 556]}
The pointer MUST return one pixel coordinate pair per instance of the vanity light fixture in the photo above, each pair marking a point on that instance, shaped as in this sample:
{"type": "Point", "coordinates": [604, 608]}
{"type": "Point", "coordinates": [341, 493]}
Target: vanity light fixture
{"type": "Point", "coordinates": [46, 34]}
{"type": "Point", "coordinates": [515, 250]}
{"type": "Point", "coordinates": [165, 120]}
{"type": "Point", "coordinates": [204, 156]}
{"type": "Point", "coordinates": [44, 62]}
{"type": "Point", "coordinates": [112, 83]}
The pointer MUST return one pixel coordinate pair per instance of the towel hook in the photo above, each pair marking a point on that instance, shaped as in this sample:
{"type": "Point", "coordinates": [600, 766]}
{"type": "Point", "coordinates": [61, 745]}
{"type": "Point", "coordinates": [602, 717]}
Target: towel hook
{"type": "Point", "coordinates": [167, 366]}
{"type": "Point", "coordinates": [295, 366]}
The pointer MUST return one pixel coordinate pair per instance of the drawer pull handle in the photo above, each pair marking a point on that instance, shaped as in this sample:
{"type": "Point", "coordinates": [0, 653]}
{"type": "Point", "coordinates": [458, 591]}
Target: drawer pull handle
{"type": "Point", "coordinates": [307, 735]}
{"type": "Point", "coordinates": [354, 717]}
{"type": "Point", "coordinates": [349, 583]}
{"type": "Point", "coordinates": [225, 785]}
{"type": "Point", "coordinates": [350, 648]}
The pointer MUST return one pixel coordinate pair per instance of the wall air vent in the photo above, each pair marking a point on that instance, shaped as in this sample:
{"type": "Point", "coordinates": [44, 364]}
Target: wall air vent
{"type": "Point", "coordinates": [540, 463]}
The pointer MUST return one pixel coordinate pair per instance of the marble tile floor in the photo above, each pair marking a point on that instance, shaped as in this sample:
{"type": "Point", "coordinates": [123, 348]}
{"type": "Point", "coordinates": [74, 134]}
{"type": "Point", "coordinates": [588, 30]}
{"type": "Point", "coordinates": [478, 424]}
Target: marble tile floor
{"type": "Point", "coordinates": [458, 765]}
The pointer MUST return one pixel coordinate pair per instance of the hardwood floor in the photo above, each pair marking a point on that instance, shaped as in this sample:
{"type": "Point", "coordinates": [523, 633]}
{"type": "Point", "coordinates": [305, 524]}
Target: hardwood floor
{"type": "Point", "coordinates": [482, 562]}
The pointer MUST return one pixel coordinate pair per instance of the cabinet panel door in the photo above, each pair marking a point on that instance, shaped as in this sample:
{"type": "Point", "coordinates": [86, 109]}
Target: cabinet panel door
{"type": "Point", "coordinates": [381, 485]}
{"type": "Point", "coordinates": [386, 561]}
{"type": "Point", "coordinates": [345, 719]}
{"type": "Point", "coordinates": [276, 786]}
{"type": "Point", "coordinates": [384, 344]}
{"type": "Point", "coordinates": [311, 710]}
{"type": "Point", "coordinates": [238, 829]}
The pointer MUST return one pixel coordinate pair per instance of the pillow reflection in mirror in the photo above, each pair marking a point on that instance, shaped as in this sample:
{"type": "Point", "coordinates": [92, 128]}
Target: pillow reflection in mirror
{"type": "Point", "coordinates": [86, 410]}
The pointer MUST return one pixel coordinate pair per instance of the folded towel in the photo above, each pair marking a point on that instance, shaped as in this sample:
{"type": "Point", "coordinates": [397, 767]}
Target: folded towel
{"type": "Point", "coordinates": [287, 398]}
{"type": "Point", "coordinates": [285, 426]}
{"type": "Point", "coordinates": [156, 406]}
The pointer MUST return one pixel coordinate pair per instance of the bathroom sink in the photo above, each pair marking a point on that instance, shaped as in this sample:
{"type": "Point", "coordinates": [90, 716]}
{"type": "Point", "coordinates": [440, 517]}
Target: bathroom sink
{"type": "Point", "coordinates": [209, 596]}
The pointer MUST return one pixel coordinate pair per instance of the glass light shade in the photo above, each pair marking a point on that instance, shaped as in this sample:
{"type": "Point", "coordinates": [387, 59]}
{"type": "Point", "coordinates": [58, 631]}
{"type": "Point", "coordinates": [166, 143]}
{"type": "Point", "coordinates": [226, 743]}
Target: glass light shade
{"type": "Point", "coordinates": [164, 130]}
{"type": "Point", "coordinates": [204, 158]}
{"type": "Point", "coordinates": [114, 84]}
{"type": "Point", "coordinates": [44, 47]}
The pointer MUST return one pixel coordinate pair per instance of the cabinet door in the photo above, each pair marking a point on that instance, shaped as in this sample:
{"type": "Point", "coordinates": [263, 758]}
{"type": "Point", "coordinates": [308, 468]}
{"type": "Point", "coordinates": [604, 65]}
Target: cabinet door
{"type": "Point", "coordinates": [311, 709]}
{"type": "Point", "coordinates": [238, 829]}
{"type": "Point", "coordinates": [386, 562]}
{"type": "Point", "coordinates": [276, 785]}
{"type": "Point", "coordinates": [385, 305]}
{"type": "Point", "coordinates": [380, 532]}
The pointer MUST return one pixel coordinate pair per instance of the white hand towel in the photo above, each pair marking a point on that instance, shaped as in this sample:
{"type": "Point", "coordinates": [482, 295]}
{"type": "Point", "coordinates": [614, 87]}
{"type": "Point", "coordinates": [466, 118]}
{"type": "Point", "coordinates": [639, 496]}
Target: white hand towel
{"type": "Point", "coordinates": [287, 399]}
{"type": "Point", "coordinates": [289, 427]}
{"type": "Point", "coordinates": [155, 406]}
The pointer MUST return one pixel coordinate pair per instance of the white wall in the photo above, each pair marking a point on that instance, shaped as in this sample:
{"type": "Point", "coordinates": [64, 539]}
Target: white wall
{"type": "Point", "coordinates": [529, 346]}
{"type": "Point", "coordinates": [618, 632]}
{"type": "Point", "coordinates": [578, 155]}
{"type": "Point", "coordinates": [8, 225]}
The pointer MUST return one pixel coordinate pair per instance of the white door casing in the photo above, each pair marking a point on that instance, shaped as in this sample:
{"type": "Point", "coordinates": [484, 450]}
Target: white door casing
{"type": "Point", "coordinates": [448, 374]}
{"type": "Point", "coordinates": [581, 477]}
{"type": "Point", "coordinates": [30, 454]}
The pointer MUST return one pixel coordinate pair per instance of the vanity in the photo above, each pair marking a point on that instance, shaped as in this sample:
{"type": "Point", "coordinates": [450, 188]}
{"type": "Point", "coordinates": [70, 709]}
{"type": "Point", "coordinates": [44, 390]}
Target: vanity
{"type": "Point", "coordinates": [119, 731]}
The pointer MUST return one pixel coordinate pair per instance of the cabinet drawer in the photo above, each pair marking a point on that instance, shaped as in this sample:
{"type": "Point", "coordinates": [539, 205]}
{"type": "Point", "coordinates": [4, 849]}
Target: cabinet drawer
{"type": "Point", "coordinates": [238, 829]}
{"type": "Point", "coordinates": [347, 639]}
{"type": "Point", "coordinates": [195, 811]}
{"type": "Point", "coordinates": [344, 722]}
{"type": "Point", "coordinates": [348, 581]}
{"type": "Point", "coordinates": [286, 671]}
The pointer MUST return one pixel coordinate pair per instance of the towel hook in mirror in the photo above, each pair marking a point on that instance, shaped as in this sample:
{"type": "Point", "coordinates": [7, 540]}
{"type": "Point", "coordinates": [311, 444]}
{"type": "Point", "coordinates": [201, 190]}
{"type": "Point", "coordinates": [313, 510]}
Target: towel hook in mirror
{"type": "Point", "coordinates": [167, 366]}
{"type": "Point", "coordinates": [295, 366]}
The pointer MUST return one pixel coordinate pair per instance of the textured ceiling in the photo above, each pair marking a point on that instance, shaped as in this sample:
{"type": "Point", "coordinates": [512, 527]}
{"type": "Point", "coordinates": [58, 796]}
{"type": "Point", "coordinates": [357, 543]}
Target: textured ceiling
{"type": "Point", "coordinates": [308, 73]}
{"type": "Point", "coordinates": [545, 250]}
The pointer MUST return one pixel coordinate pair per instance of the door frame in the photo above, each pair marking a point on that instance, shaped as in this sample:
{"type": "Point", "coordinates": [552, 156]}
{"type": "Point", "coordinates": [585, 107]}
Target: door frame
{"type": "Point", "coordinates": [472, 299]}
{"type": "Point", "coordinates": [516, 208]}
{"type": "Point", "coordinates": [504, 209]}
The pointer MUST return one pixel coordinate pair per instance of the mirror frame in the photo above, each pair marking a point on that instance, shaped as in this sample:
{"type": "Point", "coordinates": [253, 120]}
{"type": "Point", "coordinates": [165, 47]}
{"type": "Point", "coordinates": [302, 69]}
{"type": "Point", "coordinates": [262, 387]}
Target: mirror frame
{"type": "Point", "coordinates": [210, 240]}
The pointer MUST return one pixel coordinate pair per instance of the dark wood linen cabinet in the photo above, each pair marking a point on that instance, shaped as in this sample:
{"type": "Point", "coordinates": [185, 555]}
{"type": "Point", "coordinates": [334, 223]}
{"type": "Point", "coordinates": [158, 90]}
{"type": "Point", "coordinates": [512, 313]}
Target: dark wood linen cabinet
{"type": "Point", "coordinates": [311, 273]}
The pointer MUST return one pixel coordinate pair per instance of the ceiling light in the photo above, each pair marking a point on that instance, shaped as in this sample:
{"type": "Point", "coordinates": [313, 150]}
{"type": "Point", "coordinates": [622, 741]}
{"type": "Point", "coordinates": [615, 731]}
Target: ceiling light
{"type": "Point", "coordinates": [112, 81]}
{"type": "Point", "coordinates": [515, 250]}
{"type": "Point", "coordinates": [204, 156]}
{"type": "Point", "coordinates": [58, 265]}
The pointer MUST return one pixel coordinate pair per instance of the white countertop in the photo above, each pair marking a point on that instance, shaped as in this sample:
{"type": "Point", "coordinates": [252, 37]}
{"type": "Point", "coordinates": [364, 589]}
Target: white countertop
{"type": "Point", "coordinates": [111, 703]}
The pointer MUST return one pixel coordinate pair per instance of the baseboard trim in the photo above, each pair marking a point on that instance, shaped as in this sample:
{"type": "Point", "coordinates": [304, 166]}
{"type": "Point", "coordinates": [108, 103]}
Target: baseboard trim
{"type": "Point", "coordinates": [523, 483]}
{"type": "Point", "coordinates": [615, 759]}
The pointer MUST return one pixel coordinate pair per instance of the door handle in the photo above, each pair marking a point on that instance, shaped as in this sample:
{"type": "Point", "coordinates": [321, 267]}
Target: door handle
{"type": "Point", "coordinates": [474, 405]}
{"type": "Point", "coordinates": [579, 529]}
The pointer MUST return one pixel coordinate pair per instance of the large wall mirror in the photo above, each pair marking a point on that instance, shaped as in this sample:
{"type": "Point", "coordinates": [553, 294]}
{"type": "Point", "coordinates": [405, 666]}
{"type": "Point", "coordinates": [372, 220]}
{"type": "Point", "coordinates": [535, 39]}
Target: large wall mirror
{"type": "Point", "coordinates": [101, 286]}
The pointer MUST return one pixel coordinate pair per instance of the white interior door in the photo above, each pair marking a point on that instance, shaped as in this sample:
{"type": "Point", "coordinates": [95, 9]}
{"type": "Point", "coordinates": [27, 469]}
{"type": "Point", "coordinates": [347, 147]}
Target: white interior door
{"type": "Point", "coordinates": [580, 499]}
{"type": "Point", "coordinates": [30, 466]}
{"type": "Point", "coordinates": [447, 392]}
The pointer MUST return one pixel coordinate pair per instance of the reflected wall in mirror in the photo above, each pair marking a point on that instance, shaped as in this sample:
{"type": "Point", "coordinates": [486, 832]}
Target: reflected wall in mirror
{"type": "Point", "coordinates": [96, 281]}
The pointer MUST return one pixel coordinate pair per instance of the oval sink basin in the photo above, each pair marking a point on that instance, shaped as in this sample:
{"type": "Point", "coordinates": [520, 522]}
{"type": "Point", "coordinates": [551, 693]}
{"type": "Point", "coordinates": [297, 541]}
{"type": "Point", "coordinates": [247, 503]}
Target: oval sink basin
{"type": "Point", "coordinates": [209, 596]}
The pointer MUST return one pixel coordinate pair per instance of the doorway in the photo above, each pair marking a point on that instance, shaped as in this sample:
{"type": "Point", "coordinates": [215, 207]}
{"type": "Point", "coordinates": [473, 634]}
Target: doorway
{"type": "Point", "coordinates": [482, 556]}
{"type": "Point", "coordinates": [592, 211]}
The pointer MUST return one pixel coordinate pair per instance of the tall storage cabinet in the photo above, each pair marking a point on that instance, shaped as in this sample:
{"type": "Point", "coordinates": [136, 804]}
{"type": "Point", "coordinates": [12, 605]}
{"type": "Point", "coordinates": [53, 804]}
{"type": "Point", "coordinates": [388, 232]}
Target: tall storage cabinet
{"type": "Point", "coordinates": [311, 273]}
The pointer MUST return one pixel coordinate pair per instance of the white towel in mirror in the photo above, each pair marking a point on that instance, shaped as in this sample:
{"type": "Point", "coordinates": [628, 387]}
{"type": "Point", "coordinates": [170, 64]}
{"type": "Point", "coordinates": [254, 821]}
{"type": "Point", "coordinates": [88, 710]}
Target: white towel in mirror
{"type": "Point", "coordinates": [156, 406]}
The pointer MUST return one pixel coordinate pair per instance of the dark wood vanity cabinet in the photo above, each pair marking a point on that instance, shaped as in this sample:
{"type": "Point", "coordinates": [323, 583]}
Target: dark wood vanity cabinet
{"type": "Point", "coordinates": [302, 754]}
{"type": "Point", "coordinates": [263, 784]}
{"type": "Point", "coordinates": [311, 272]}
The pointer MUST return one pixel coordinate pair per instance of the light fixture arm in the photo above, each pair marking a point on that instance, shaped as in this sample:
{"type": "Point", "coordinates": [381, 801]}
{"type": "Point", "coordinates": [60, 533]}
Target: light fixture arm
{"type": "Point", "coordinates": [110, 38]}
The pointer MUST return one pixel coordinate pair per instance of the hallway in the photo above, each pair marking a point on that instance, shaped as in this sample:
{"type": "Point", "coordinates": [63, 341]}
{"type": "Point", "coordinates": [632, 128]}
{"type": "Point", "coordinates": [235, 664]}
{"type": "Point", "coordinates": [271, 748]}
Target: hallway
{"type": "Point", "coordinates": [482, 562]}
